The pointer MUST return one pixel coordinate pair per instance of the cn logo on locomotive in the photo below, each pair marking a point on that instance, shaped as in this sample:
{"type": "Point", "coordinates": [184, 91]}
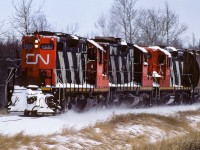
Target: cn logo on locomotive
{"type": "Point", "coordinates": [37, 57]}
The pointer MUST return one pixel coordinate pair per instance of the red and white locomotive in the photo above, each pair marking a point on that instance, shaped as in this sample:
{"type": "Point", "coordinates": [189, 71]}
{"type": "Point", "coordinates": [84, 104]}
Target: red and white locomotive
{"type": "Point", "coordinates": [60, 71]}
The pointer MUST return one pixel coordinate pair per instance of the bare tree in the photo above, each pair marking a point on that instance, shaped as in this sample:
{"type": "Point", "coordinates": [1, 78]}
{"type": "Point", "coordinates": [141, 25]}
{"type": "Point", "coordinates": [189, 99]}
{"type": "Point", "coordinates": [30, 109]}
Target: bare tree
{"type": "Point", "coordinates": [121, 20]}
{"type": "Point", "coordinates": [101, 25]}
{"type": "Point", "coordinates": [173, 29]}
{"type": "Point", "coordinates": [160, 27]}
{"type": "Point", "coordinates": [125, 14]}
{"type": "Point", "coordinates": [22, 20]}
{"type": "Point", "coordinates": [2, 31]}
{"type": "Point", "coordinates": [72, 28]}
{"type": "Point", "coordinates": [194, 43]}
{"type": "Point", "coordinates": [147, 26]}
{"type": "Point", "coordinates": [199, 44]}
{"type": "Point", "coordinates": [107, 26]}
{"type": "Point", "coordinates": [22, 17]}
{"type": "Point", "coordinates": [150, 28]}
{"type": "Point", "coordinates": [40, 23]}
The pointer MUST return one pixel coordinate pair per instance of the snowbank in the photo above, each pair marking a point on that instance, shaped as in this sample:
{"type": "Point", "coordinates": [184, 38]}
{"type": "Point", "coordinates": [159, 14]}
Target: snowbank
{"type": "Point", "coordinates": [12, 124]}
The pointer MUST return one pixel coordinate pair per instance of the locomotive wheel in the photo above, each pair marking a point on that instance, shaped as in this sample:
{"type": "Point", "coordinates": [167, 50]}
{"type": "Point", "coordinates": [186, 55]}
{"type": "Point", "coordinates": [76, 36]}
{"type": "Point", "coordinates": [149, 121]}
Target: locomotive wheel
{"type": "Point", "coordinates": [178, 99]}
{"type": "Point", "coordinates": [166, 99]}
{"type": "Point", "coordinates": [81, 104]}
{"type": "Point", "coordinates": [170, 101]}
{"type": "Point", "coordinates": [186, 98]}
{"type": "Point", "coordinates": [26, 113]}
{"type": "Point", "coordinates": [69, 106]}
{"type": "Point", "coordinates": [64, 106]}
{"type": "Point", "coordinates": [133, 101]}
{"type": "Point", "coordinates": [116, 101]}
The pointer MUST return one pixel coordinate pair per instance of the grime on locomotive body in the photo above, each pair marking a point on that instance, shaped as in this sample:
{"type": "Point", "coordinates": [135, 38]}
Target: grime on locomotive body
{"type": "Point", "coordinates": [60, 71]}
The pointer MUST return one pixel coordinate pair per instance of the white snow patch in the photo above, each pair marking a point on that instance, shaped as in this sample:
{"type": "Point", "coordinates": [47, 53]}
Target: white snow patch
{"type": "Point", "coordinates": [130, 84]}
{"type": "Point", "coordinates": [140, 48]}
{"type": "Point", "coordinates": [156, 75]}
{"type": "Point", "coordinates": [162, 50]}
{"type": "Point", "coordinates": [96, 44]}
{"type": "Point", "coordinates": [194, 120]}
{"type": "Point", "coordinates": [145, 64]}
{"type": "Point", "coordinates": [171, 49]}
{"type": "Point", "coordinates": [123, 42]}
{"type": "Point", "coordinates": [74, 85]}
{"type": "Point", "coordinates": [63, 147]}
{"type": "Point", "coordinates": [75, 37]}
{"type": "Point", "coordinates": [153, 133]}
{"type": "Point", "coordinates": [97, 130]}
{"type": "Point", "coordinates": [77, 139]}
{"type": "Point", "coordinates": [32, 86]}
{"type": "Point", "coordinates": [155, 84]}
{"type": "Point", "coordinates": [125, 146]}
{"type": "Point", "coordinates": [134, 130]}
{"type": "Point", "coordinates": [10, 125]}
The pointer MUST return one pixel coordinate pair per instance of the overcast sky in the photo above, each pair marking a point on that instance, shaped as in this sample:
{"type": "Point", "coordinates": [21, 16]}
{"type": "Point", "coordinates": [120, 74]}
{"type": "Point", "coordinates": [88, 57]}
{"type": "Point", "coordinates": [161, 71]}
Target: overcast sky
{"type": "Point", "coordinates": [60, 13]}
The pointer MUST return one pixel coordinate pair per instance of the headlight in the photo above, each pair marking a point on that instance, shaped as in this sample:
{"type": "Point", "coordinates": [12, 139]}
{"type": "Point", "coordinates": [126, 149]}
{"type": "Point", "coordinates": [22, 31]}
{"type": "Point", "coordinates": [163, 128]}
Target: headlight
{"type": "Point", "coordinates": [36, 41]}
{"type": "Point", "coordinates": [36, 46]}
{"type": "Point", "coordinates": [43, 73]}
{"type": "Point", "coordinates": [31, 100]}
{"type": "Point", "coordinates": [50, 101]}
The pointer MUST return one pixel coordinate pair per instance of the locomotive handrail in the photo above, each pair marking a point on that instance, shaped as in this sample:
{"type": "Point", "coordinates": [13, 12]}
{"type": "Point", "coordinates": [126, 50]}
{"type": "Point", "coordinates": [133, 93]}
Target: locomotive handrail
{"type": "Point", "coordinates": [130, 83]}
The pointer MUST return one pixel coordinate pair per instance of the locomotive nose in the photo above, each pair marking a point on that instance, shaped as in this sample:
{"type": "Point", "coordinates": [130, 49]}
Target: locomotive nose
{"type": "Point", "coordinates": [38, 60]}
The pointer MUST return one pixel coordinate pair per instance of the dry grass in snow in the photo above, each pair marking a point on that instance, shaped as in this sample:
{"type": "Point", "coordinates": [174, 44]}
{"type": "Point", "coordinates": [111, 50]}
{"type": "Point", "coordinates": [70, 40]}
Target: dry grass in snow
{"type": "Point", "coordinates": [126, 131]}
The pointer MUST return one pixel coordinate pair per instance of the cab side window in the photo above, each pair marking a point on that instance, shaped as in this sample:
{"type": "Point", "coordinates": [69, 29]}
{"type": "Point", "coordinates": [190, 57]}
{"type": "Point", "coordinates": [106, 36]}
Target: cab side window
{"type": "Point", "coordinates": [91, 54]}
{"type": "Point", "coordinates": [60, 46]}
{"type": "Point", "coordinates": [161, 59]}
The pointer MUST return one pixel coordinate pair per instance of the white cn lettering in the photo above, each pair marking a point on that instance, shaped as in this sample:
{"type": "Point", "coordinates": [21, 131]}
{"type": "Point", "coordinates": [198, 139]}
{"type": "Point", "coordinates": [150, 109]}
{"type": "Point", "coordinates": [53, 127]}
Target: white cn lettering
{"type": "Point", "coordinates": [37, 56]}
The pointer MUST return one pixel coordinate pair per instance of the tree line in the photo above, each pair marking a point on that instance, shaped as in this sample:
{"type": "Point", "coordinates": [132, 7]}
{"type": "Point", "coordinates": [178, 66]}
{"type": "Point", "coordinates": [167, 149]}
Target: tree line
{"type": "Point", "coordinates": [144, 26]}
{"type": "Point", "coordinates": [124, 19]}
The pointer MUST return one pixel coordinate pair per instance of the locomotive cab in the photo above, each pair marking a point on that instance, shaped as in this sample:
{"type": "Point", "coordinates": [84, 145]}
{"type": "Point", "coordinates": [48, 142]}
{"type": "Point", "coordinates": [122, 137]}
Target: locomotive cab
{"type": "Point", "coordinates": [141, 66]}
{"type": "Point", "coordinates": [58, 70]}
{"type": "Point", "coordinates": [159, 66]}
{"type": "Point", "coordinates": [159, 73]}
{"type": "Point", "coordinates": [38, 60]}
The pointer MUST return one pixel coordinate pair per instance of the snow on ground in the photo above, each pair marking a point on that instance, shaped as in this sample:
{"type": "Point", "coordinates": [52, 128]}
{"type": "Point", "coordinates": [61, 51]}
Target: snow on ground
{"type": "Point", "coordinates": [153, 133]}
{"type": "Point", "coordinates": [61, 139]}
{"type": "Point", "coordinates": [194, 120]}
{"type": "Point", "coordinates": [12, 124]}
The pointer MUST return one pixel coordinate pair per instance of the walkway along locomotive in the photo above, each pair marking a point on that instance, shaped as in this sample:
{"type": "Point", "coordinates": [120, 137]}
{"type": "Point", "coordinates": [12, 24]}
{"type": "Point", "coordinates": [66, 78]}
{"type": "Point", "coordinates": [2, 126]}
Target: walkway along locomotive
{"type": "Point", "coordinates": [59, 71]}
